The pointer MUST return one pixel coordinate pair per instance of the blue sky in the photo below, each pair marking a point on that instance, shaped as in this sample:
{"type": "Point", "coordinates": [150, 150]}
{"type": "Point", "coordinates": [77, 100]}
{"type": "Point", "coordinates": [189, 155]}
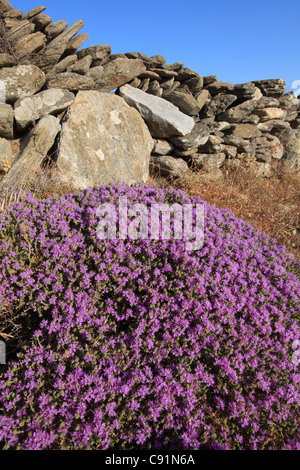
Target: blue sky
{"type": "Point", "coordinates": [239, 41]}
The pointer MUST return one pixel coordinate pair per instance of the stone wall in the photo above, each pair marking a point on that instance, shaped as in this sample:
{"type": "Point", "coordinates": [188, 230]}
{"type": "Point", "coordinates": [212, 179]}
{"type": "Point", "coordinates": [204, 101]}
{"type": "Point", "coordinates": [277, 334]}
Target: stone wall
{"type": "Point", "coordinates": [111, 117]}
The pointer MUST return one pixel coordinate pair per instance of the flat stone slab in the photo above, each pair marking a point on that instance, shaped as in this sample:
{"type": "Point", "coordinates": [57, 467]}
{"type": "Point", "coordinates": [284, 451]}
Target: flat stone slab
{"type": "Point", "coordinates": [162, 117]}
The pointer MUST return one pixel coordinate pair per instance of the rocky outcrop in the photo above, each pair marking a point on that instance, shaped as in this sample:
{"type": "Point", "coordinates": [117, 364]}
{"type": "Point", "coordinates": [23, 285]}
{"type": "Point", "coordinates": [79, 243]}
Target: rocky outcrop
{"type": "Point", "coordinates": [112, 112]}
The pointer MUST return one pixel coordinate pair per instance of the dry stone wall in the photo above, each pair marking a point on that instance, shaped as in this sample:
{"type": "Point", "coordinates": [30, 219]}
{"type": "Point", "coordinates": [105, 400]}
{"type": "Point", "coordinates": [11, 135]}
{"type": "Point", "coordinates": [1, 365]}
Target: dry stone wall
{"type": "Point", "coordinates": [155, 116]}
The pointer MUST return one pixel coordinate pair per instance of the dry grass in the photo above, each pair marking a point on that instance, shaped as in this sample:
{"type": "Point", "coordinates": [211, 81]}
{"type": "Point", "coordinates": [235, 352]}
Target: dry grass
{"type": "Point", "coordinates": [272, 205]}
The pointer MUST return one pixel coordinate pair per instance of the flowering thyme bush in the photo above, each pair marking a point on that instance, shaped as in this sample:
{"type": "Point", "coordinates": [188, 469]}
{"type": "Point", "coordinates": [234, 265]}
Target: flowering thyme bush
{"type": "Point", "coordinates": [140, 343]}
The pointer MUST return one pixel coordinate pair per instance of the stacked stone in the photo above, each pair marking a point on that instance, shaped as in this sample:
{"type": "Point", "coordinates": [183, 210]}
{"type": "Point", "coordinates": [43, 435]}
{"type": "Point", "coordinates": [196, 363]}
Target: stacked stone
{"type": "Point", "coordinates": [193, 121]}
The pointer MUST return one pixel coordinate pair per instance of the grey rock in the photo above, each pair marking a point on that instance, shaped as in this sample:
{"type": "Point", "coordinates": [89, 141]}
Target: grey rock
{"type": "Point", "coordinates": [244, 131]}
{"type": "Point", "coordinates": [168, 166]}
{"type": "Point", "coordinates": [35, 11]}
{"type": "Point", "coordinates": [208, 79]}
{"type": "Point", "coordinates": [6, 121]}
{"type": "Point", "coordinates": [21, 81]}
{"type": "Point", "coordinates": [144, 84]}
{"type": "Point", "coordinates": [71, 81]}
{"type": "Point", "coordinates": [217, 105]}
{"type": "Point", "coordinates": [185, 74]}
{"type": "Point", "coordinates": [82, 66]}
{"type": "Point", "coordinates": [6, 156]}
{"type": "Point", "coordinates": [167, 83]}
{"type": "Point", "coordinates": [55, 49]}
{"type": "Point", "coordinates": [237, 113]}
{"type": "Point", "coordinates": [291, 154]}
{"type": "Point", "coordinates": [61, 66]}
{"type": "Point", "coordinates": [154, 88]}
{"type": "Point", "coordinates": [212, 145]}
{"type": "Point", "coordinates": [162, 147]}
{"type": "Point", "coordinates": [175, 66]}
{"type": "Point", "coordinates": [198, 136]}
{"type": "Point", "coordinates": [111, 144]}
{"type": "Point", "coordinates": [242, 145]}
{"type": "Point", "coordinates": [266, 114]}
{"type": "Point", "coordinates": [149, 62]}
{"type": "Point", "coordinates": [118, 72]}
{"type": "Point", "coordinates": [245, 91]}
{"type": "Point", "coordinates": [219, 87]}
{"type": "Point", "coordinates": [288, 100]}
{"type": "Point", "coordinates": [202, 98]}
{"type": "Point", "coordinates": [267, 102]}
{"type": "Point", "coordinates": [6, 60]}
{"type": "Point", "coordinates": [21, 29]}
{"type": "Point", "coordinates": [209, 162]}
{"type": "Point", "coordinates": [95, 72]}
{"type": "Point", "coordinates": [151, 74]}
{"type": "Point", "coordinates": [194, 84]}
{"type": "Point", "coordinates": [166, 73]}
{"type": "Point", "coordinates": [41, 21]}
{"type": "Point", "coordinates": [75, 43]}
{"type": "Point", "coordinates": [53, 30]}
{"type": "Point", "coordinates": [268, 147]}
{"type": "Point", "coordinates": [5, 6]}
{"type": "Point", "coordinates": [170, 88]}
{"type": "Point", "coordinates": [39, 142]}
{"type": "Point", "coordinates": [229, 150]}
{"type": "Point", "coordinates": [158, 60]}
{"type": "Point", "coordinates": [184, 101]}
{"type": "Point", "coordinates": [185, 153]}
{"type": "Point", "coordinates": [263, 169]}
{"type": "Point", "coordinates": [11, 17]}
{"type": "Point", "coordinates": [217, 126]}
{"type": "Point", "coordinates": [52, 101]}
{"type": "Point", "coordinates": [116, 56]}
{"type": "Point", "coordinates": [272, 87]}
{"type": "Point", "coordinates": [30, 44]}
{"type": "Point", "coordinates": [251, 119]}
{"type": "Point", "coordinates": [163, 119]}
{"type": "Point", "coordinates": [280, 129]}
{"type": "Point", "coordinates": [136, 82]}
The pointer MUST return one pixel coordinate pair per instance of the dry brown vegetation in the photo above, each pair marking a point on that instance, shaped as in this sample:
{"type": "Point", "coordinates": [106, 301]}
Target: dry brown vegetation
{"type": "Point", "coordinates": [272, 205]}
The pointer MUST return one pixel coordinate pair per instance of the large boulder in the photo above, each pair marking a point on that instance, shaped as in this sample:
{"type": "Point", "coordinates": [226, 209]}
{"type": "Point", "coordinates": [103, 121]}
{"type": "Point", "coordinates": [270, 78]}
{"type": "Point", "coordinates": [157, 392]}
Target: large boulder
{"type": "Point", "coordinates": [163, 118]}
{"type": "Point", "coordinates": [103, 140]}
{"type": "Point", "coordinates": [21, 81]}
{"type": "Point", "coordinates": [51, 101]}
